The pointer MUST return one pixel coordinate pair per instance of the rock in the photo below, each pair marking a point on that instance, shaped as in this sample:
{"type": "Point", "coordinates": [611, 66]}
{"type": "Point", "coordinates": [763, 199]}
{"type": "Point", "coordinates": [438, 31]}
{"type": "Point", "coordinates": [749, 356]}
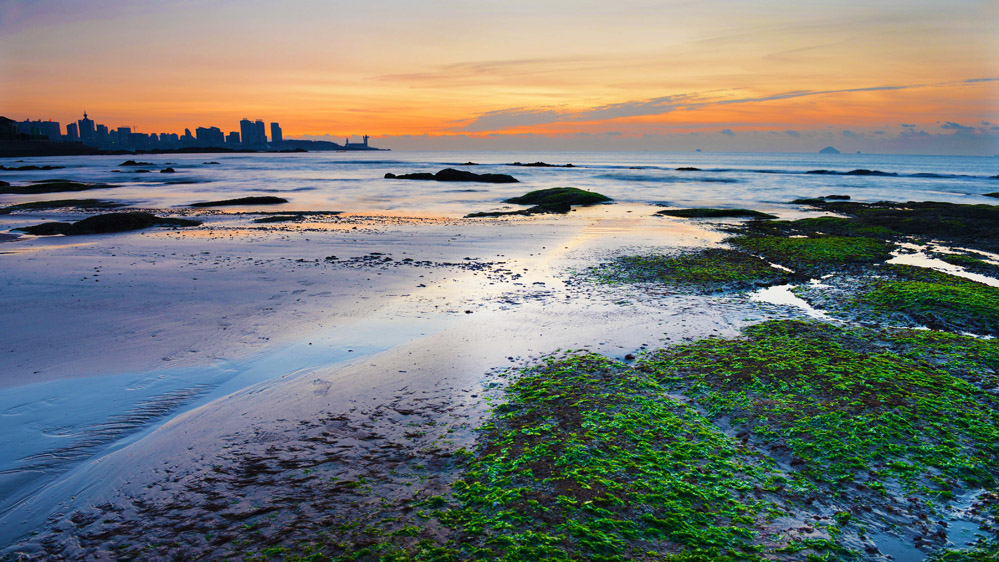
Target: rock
{"type": "Point", "coordinates": [134, 163]}
{"type": "Point", "coordinates": [260, 200]}
{"type": "Point", "coordinates": [167, 171]}
{"type": "Point", "coordinates": [829, 150]}
{"type": "Point", "coordinates": [996, 194]}
{"type": "Point", "coordinates": [836, 197]}
{"type": "Point", "coordinates": [450, 174]}
{"type": "Point", "coordinates": [51, 186]}
{"type": "Point", "coordinates": [108, 223]}
{"type": "Point", "coordinates": [210, 163]}
{"type": "Point", "coordinates": [863, 172]}
{"type": "Point", "coordinates": [542, 165]}
{"type": "Point", "coordinates": [708, 213]}
{"type": "Point", "coordinates": [560, 196]}
{"type": "Point", "coordinates": [688, 169]}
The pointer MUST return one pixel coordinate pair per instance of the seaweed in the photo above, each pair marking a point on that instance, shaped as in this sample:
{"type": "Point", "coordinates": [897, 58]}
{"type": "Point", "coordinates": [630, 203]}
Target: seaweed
{"type": "Point", "coordinates": [816, 254]}
{"type": "Point", "coordinates": [711, 270]}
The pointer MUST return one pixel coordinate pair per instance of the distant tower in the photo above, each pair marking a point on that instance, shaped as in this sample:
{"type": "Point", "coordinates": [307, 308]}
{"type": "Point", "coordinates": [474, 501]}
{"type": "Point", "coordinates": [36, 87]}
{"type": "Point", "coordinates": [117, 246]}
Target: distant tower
{"type": "Point", "coordinates": [88, 133]}
{"type": "Point", "coordinates": [72, 134]}
{"type": "Point", "coordinates": [276, 136]}
{"type": "Point", "coordinates": [365, 141]}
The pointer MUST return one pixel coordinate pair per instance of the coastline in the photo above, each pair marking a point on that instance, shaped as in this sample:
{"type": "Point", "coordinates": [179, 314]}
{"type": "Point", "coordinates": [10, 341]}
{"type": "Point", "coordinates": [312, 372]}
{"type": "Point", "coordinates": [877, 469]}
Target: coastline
{"type": "Point", "coordinates": [361, 368]}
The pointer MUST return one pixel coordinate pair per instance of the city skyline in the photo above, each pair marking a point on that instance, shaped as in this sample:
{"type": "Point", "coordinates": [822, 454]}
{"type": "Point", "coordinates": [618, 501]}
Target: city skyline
{"type": "Point", "coordinates": [894, 76]}
{"type": "Point", "coordinates": [251, 135]}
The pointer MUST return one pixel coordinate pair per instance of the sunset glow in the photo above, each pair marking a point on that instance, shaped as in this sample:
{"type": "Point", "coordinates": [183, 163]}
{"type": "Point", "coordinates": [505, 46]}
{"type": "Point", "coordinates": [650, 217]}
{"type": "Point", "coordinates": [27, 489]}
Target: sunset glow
{"type": "Point", "coordinates": [774, 74]}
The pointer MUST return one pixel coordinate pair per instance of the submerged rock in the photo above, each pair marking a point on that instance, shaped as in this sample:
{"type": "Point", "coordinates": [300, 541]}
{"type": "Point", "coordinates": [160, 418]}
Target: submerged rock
{"type": "Point", "coordinates": [167, 171]}
{"type": "Point", "coordinates": [258, 200]}
{"type": "Point", "coordinates": [688, 169]}
{"type": "Point", "coordinates": [134, 163]}
{"type": "Point", "coordinates": [542, 165]}
{"type": "Point", "coordinates": [104, 224]}
{"type": "Point", "coordinates": [450, 174]}
{"type": "Point", "coordinates": [51, 186]}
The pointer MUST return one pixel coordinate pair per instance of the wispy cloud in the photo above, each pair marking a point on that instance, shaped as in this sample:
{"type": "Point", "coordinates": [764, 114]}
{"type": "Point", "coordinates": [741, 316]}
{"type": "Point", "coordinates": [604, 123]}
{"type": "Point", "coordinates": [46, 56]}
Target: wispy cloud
{"type": "Point", "coordinates": [518, 117]}
{"type": "Point", "coordinates": [727, 132]}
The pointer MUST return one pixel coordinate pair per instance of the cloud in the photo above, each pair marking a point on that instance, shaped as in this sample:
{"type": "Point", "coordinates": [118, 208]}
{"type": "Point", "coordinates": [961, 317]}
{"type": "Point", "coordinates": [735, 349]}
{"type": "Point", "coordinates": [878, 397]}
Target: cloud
{"type": "Point", "coordinates": [952, 126]}
{"type": "Point", "coordinates": [793, 133]}
{"type": "Point", "coordinates": [912, 126]}
{"type": "Point", "coordinates": [850, 134]}
{"type": "Point", "coordinates": [511, 118]}
{"type": "Point", "coordinates": [727, 132]}
{"type": "Point", "coordinates": [976, 80]}
{"type": "Point", "coordinates": [516, 117]}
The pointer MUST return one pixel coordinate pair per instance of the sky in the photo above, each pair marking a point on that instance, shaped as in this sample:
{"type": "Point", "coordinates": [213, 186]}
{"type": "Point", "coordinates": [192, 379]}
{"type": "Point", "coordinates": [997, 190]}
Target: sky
{"type": "Point", "coordinates": [889, 76]}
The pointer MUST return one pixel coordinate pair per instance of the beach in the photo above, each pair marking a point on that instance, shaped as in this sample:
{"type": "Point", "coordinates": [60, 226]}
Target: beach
{"type": "Point", "coordinates": [237, 385]}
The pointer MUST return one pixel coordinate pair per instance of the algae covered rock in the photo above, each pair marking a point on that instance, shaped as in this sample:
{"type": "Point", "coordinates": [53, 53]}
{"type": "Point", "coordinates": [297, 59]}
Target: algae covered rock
{"type": "Point", "coordinates": [560, 196]}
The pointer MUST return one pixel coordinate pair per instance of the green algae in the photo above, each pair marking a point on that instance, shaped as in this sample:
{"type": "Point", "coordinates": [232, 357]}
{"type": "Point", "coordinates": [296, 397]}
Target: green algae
{"type": "Point", "coordinates": [935, 300]}
{"type": "Point", "coordinates": [815, 254]}
{"type": "Point", "coordinates": [714, 269]}
{"type": "Point", "coordinates": [841, 406]}
{"type": "Point", "coordinates": [559, 196]}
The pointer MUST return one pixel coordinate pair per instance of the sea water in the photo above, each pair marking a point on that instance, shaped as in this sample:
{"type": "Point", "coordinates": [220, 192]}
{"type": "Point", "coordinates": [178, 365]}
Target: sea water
{"type": "Point", "coordinates": [354, 181]}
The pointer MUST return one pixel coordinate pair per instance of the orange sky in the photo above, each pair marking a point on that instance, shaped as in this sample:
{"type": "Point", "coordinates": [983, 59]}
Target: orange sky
{"type": "Point", "coordinates": [396, 69]}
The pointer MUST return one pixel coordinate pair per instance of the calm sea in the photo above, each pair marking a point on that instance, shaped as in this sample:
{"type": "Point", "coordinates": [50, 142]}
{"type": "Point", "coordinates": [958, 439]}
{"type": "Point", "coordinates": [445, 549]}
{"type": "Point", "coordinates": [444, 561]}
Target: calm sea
{"type": "Point", "coordinates": [353, 181]}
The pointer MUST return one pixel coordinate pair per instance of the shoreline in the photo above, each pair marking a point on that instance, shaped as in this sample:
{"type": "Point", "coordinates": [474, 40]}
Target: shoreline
{"type": "Point", "coordinates": [294, 426]}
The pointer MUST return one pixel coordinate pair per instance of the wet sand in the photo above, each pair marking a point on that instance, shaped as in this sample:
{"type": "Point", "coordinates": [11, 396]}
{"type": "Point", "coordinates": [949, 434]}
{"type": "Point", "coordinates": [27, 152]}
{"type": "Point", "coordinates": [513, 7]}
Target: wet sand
{"type": "Point", "coordinates": [210, 382]}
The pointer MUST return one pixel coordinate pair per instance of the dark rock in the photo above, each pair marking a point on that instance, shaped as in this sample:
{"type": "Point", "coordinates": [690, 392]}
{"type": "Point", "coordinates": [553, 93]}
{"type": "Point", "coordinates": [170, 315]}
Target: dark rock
{"type": "Point", "coordinates": [104, 224]}
{"type": "Point", "coordinates": [4, 184]}
{"type": "Point", "coordinates": [542, 165]}
{"type": "Point", "coordinates": [29, 168]}
{"type": "Point", "coordinates": [708, 213]}
{"type": "Point", "coordinates": [259, 200]}
{"type": "Point", "coordinates": [450, 174]}
{"type": "Point", "coordinates": [863, 172]}
{"type": "Point", "coordinates": [836, 197]}
{"type": "Point", "coordinates": [279, 218]}
{"type": "Point", "coordinates": [167, 171]}
{"type": "Point", "coordinates": [210, 163]}
{"type": "Point", "coordinates": [46, 228]}
{"type": "Point", "coordinates": [60, 204]}
{"type": "Point", "coordinates": [996, 194]}
{"type": "Point", "coordinates": [821, 172]}
{"type": "Point", "coordinates": [51, 186]}
{"type": "Point", "coordinates": [688, 169]}
{"type": "Point", "coordinates": [417, 176]}
{"type": "Point", "coordinates": [134, 163]}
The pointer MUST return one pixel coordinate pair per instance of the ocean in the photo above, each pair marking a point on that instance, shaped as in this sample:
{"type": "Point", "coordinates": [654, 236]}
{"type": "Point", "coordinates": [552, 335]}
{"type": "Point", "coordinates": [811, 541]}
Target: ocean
{"type": "Point", "coordinates": [354, 181]}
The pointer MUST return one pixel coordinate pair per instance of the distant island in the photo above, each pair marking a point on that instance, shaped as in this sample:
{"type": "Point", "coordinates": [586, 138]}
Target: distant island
{"type": "Point", "coordinates": [829, 150]}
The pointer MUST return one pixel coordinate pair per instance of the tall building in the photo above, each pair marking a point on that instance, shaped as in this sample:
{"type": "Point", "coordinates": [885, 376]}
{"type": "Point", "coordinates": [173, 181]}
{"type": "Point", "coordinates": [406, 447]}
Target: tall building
{"type": "Point", "coordinates": [41, 129]}
{"type": "Point", "coordinates": [88, 133]}
{"type": "Point", "coordinates": [252, 133]}
{"type": "Point", "coordinates": [72, 134]}
{"type": "Point", "coordinates": [276, 137]}
{"type": "Point", "coordinates": [232, 139]}
{"type": "Point", "coordinates": [210, 136]}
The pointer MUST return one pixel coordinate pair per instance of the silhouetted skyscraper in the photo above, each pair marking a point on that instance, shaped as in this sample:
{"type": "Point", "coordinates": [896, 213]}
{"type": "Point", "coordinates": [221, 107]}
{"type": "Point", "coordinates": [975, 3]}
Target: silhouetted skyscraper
{"type": "Point", "coordinates": [211, 136]}
{"type": "Point", "coordinates": [252, 133]}
{"type": "Point", "coordinates": [88, 133]}
{"type": "Point", "coordinates": [72, 134]}
{"type": "Point", "coordinates": [232, 139]}
{"type": "Point", "coordinates": [276, 137]}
